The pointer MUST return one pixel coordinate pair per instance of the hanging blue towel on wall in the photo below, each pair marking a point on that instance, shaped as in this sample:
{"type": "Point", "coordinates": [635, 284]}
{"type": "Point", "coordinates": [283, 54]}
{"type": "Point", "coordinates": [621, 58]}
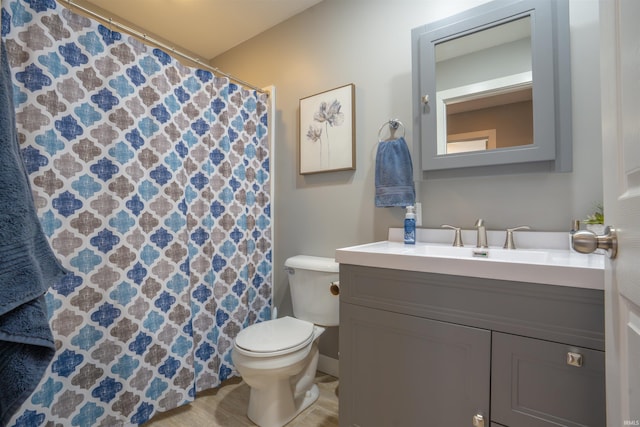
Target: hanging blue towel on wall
{"type": "Point", "coordinates": [394, 174]}
{"type": "Point", "coordinates": [27, 268]}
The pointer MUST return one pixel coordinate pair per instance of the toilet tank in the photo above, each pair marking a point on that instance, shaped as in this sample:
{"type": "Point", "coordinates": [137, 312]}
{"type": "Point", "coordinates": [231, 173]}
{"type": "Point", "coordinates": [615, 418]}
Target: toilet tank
{"type": "Point", "coordinates": [314, 286]}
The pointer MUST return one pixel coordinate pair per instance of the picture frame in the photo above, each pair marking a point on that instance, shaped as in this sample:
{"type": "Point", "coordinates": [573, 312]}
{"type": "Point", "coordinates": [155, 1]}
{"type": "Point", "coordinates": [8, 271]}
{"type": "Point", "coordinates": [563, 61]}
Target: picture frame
{"type": "Point", "coordinates": [327, 131]}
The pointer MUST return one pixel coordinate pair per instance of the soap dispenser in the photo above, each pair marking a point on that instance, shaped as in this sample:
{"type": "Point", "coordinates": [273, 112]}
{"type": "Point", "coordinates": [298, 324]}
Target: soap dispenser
{"type": "Point", "coordinates": [410, 226]}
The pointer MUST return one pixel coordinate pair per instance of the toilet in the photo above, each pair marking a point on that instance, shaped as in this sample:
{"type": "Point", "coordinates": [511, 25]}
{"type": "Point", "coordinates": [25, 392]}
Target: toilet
{"type": "Point", "coordinates": [278, 358]}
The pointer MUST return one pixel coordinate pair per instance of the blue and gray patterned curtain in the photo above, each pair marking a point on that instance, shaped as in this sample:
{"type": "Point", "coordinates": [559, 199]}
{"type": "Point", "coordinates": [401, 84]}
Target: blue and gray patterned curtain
{"type": "Point", "coordinates": [151, 181]}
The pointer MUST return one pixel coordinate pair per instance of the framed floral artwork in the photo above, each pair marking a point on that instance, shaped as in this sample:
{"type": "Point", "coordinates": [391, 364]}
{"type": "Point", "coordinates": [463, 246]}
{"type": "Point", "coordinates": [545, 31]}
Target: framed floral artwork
{"type": "Point", "coordinates": [327, 131]}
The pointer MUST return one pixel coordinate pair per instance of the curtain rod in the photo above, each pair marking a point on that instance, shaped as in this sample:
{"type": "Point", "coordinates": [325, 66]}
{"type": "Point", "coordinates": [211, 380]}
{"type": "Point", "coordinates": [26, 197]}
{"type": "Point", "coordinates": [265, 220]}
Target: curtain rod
{"type": "Point", "coordinates": [161, 45]}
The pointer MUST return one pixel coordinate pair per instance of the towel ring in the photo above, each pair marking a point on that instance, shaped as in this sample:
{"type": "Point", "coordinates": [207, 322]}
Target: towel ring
{"type": "Point", "coordinates": [393, 124]}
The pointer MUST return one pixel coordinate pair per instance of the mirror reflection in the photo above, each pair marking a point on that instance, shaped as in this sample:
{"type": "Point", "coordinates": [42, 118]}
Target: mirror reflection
{"type": "Point", "coordinates": [484, 89]}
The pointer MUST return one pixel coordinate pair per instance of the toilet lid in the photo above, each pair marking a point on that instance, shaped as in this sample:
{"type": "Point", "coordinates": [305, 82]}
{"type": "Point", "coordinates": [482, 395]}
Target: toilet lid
{"type": "Point", "coordinates": [275, 335]}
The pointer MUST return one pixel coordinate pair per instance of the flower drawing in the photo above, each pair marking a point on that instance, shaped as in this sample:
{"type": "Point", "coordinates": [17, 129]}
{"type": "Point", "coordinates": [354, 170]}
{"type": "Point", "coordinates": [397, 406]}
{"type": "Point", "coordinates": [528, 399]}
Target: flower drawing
{"type": "Point", "coordinates": [314, 133]}
{"type": "Point", "coordinates": [329, 115]}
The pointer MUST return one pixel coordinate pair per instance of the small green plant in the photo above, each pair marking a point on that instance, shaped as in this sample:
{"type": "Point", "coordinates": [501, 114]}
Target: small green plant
{"type": "Point", "coordinates": [597, 217]}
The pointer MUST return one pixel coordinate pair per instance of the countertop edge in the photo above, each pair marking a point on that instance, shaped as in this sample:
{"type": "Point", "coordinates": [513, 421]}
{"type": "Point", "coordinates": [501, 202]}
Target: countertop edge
{"type": "Point", "coordinates": [558, 275]}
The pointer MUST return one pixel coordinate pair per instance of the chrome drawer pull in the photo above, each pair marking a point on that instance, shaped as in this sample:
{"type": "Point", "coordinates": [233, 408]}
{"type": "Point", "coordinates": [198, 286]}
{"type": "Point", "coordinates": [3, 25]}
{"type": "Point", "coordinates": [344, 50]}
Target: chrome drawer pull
{"type": "Point", "coordinates": [574, 359]}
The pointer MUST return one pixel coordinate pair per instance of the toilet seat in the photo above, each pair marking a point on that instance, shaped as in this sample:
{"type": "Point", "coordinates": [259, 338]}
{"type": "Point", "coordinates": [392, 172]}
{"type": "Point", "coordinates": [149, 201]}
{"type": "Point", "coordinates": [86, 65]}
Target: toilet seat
{"type": "Point", "coordinates": [275, 337]}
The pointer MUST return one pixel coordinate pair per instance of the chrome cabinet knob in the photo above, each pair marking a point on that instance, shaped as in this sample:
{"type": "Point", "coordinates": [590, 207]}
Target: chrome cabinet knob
{"type": "Point", "coordinates": [586, 242]}
{"type": "Point", "coordinates": [574, 359]}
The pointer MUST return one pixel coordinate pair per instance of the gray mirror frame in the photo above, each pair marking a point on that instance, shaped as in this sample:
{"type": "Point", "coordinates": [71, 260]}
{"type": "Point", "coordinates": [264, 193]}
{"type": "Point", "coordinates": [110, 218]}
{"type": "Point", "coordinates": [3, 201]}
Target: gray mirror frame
{"type": "Point", "coordinates": [552, 147]}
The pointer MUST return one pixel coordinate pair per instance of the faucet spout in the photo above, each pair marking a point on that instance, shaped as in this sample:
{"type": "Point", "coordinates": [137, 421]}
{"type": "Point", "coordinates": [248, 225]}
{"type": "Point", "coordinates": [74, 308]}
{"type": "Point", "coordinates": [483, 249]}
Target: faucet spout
{"type": "Point", "coordinates": [482, 234]}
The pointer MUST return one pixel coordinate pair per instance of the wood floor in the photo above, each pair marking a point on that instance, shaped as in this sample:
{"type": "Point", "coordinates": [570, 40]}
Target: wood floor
{"type": "Point", "coordinates": [226, 406]}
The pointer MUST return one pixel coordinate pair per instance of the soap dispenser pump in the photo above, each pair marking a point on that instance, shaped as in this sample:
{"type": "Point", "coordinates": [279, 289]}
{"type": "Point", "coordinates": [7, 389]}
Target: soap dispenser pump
{"type": "Point", "coordinates": [410, 226]}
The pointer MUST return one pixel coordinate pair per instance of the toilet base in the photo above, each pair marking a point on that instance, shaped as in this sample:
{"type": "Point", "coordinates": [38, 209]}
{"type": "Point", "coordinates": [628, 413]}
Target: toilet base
{"type": "Point", "coordinates": [282, 387]}
{"type": "Point", "coordinates": [309, 397]}
{"type": "Point", "coordinates": [266, 411]}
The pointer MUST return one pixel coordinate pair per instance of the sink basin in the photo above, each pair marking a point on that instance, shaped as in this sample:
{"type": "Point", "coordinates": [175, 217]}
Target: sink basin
{"type": "Point", "coordinates": [494, 254]}
{"type": "Point", "coordinates": [548, 266]}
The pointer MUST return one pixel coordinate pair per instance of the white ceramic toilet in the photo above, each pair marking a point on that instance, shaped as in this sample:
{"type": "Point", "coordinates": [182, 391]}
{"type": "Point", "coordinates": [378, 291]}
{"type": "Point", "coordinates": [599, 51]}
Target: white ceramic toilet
{"type": "Point", "coordinates": [278, 358]}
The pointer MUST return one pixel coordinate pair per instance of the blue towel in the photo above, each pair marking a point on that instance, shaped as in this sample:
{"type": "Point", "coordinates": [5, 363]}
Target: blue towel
{"type": "Point", "coordinates": [394, 174]}
{"type": "Point", "coordinates": [27, 268]}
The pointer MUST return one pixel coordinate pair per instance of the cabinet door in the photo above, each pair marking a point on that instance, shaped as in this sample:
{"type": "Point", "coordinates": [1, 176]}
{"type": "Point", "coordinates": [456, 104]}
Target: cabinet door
{"type": "Point", "coordinates": [533, 385]}
{"type": "Point", "coordinates": [398, 370]}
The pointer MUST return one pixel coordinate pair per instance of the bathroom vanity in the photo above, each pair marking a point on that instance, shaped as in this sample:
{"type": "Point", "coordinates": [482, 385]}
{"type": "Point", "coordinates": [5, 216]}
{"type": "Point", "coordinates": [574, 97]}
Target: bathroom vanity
{"type": "Point", "coordinates": [449, 339]}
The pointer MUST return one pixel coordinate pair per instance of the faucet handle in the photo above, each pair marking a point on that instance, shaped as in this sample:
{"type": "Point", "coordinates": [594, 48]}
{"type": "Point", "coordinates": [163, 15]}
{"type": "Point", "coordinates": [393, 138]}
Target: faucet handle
{"type": "Point", "coordinates": [457, 241]}
{"type": "Point", "coordinates": [508, 243]}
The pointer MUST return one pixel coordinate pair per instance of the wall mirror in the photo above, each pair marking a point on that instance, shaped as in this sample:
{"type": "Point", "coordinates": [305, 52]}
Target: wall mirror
{"type": "Point", "coordinates": [492, 88]}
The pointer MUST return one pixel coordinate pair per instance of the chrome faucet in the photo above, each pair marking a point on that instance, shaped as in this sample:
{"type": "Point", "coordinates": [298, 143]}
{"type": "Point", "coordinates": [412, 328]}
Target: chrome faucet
{"type": "Point", "coordinates": [457, 240]}
{"type": "Point", "coordinates": [508, 243]}
{"type": "Point", "coordinates": [482, 234]}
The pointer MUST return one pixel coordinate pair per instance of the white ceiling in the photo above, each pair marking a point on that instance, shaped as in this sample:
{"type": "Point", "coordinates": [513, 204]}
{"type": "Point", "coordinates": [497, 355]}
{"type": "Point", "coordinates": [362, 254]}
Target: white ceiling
{"type": "Point", "coordinates": [206, 28]}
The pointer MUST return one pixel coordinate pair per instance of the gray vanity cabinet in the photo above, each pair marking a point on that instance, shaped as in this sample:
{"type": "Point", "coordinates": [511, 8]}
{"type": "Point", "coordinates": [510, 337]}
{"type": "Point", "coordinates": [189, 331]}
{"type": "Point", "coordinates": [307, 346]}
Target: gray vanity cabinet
{"type": "Point", "coordinates": [410, 371]}
{"type": "Point", "coordinates": [433, 350]}
{"type": "Point", "coordinates": [533, 385]}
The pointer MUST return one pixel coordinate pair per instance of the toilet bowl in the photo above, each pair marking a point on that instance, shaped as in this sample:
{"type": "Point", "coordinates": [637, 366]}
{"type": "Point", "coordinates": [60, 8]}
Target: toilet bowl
{"type": "Point", "coordinates": [278, 358]}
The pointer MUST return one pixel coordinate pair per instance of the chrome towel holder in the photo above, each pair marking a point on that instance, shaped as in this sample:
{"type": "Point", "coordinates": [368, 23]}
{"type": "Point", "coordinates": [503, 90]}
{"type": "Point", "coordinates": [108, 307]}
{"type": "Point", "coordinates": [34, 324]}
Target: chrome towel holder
{"type": "Point", "coordinates": [393, 125]}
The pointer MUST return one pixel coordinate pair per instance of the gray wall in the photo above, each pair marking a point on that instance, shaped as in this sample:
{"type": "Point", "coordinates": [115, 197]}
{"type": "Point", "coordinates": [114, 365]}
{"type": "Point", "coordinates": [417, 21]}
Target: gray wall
{"type": "Point", "coordinates": [368, 43]}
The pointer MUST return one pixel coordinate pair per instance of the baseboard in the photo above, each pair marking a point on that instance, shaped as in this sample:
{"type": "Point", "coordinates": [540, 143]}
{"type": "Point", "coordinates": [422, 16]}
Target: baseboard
{"type": "Point", "coordinates": [329, 365]}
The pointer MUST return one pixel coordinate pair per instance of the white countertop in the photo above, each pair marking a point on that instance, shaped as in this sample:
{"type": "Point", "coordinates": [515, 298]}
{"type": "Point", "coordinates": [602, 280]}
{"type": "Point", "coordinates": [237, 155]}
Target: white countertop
{"type": "Point", "coordinates": [555, 266]}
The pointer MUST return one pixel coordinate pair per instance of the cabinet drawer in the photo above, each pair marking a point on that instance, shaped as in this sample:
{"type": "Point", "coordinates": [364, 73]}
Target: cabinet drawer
{"type": "Point", "coordinates": [532, 384]}
{"type": "Point", "coordinates": [571, 315]}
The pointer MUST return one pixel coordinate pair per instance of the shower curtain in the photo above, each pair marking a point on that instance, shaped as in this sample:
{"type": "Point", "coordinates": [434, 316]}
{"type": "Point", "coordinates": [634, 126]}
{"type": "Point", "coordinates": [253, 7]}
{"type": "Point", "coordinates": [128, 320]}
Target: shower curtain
{"type": "Point", "coordinates": [151, 181]}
